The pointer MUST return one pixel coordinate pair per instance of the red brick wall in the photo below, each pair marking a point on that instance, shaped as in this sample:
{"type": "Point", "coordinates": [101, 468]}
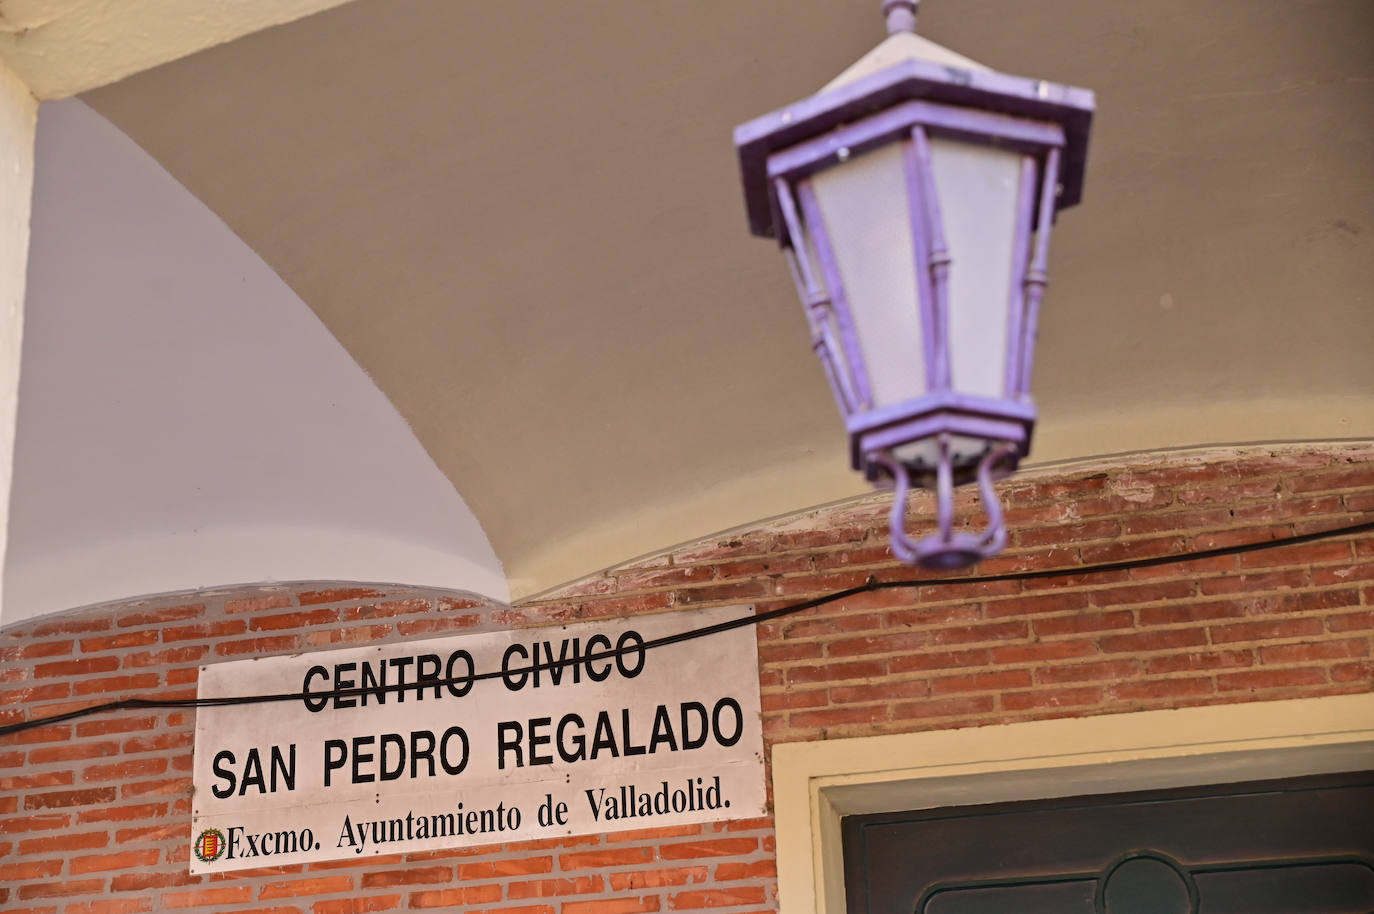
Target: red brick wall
{"type": "Point", "coordinates": [94, 814]}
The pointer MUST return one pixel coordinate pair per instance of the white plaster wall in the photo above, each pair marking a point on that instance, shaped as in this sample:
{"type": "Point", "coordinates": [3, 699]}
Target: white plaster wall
{"type": "Point", "coordinates": [17, 112]}
{"type": "Point", "coordinates": [186, 421]}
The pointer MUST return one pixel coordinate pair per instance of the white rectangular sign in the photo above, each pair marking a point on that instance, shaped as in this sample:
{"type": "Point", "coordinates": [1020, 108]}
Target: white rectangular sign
{"type": "Point", "coordinates": [660, 736]}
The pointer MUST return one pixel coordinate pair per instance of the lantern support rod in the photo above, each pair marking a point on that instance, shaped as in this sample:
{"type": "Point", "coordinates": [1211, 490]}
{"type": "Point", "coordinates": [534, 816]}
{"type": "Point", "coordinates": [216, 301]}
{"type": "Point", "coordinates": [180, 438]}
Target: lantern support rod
{"type": "Point", "coordinates": [938, 258]}
{"type": "Point", "coordinates": [1037, 275]}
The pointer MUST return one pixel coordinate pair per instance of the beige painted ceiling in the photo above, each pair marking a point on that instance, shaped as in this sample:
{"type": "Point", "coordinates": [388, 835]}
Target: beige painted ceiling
{"type": "Point", "coordinates": [524, 222]}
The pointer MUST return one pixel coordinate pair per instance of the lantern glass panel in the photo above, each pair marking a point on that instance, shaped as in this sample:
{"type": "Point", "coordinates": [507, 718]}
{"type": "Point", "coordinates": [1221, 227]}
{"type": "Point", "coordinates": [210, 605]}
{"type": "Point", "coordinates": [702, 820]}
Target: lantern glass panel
{"type": "Point", "coordinates": [979, 191]}
{"type": "Point", "coordinates": [864, 205]}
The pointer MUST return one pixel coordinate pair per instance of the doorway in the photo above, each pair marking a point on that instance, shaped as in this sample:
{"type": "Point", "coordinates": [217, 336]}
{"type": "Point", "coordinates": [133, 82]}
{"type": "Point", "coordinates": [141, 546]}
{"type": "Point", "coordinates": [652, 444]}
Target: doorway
{"type": "Point", "coordinates": [1290, 846]}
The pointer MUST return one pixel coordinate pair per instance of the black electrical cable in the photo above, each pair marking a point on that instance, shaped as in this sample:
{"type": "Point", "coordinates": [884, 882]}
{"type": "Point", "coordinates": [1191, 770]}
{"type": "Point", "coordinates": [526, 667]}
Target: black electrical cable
{"type": "Point", "coordinates": [130, 704]}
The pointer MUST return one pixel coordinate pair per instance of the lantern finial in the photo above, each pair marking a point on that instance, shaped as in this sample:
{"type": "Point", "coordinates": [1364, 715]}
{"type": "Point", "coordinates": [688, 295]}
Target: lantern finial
{"type": "Point", "coordinates": [900, 15]}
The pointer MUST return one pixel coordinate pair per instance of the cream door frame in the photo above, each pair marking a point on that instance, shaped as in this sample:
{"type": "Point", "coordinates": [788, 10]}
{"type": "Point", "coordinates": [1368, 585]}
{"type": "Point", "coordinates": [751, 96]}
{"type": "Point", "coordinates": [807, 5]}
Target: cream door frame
{"type": "Point", "coordinates": [815, 784]}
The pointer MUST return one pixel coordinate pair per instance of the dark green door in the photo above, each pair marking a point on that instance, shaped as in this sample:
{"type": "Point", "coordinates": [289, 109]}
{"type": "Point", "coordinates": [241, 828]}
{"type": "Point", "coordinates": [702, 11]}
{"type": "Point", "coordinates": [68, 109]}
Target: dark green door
{"type": "Point", "coordinates": [1297, 846]}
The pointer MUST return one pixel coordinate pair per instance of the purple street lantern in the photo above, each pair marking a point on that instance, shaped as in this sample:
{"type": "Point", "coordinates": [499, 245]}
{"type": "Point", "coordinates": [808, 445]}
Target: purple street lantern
{"type": "Point", "coordinates": [913, 198]}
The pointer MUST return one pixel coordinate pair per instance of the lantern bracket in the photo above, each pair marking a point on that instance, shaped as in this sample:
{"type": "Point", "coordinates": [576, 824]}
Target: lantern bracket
{"type": "Point", "coordinates": [945, 550]}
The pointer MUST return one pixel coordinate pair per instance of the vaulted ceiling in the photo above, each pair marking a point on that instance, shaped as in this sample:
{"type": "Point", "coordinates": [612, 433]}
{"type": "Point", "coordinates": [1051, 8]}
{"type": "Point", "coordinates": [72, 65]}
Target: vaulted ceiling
{"type": "Point", "coordinates": [524, 223]}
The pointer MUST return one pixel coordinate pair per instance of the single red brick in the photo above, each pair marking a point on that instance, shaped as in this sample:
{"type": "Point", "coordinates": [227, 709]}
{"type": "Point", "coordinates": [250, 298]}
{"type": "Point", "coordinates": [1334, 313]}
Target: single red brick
{"type": "Point", "coordinates": [82, 667]}
{"type": "Point", "coordinates": [1083, 622]}
{"type": "Point", "coordinates": [626, 606]}
{"type": "Point", "coordinates": [783, 701]}
{"type": "Point", "coordinates": [1319, 650]}
{"type": "Point", "coordinates": [718, 847]}
{"type": "Point", "coordinates": [42, 779]}
{"type": "Point", "coordinates": [836, 672]}
{"type": "Point", "coordinates": [1361, 476]}
{"type": "Point", "coordinates": [206, 631]}
{"type": "Point", "coordinates": [1052, 698]}
{"type": "Point", "coordinates": [287, 621]}
{"type": "Point", "coordinates": [659, 878]}
{"type": "Point", "coordinates": [151, 833]}
{"type": "Point", "coordinates": [167, 786]}
{"type": "Point", "coordinates": [295, 888]}
{"type": "Point", "coordinates": [619, 856]}
{"type": "Point", "coordinates": [45, 734]}
{"type": "Point", "coordinates": [717, 897]}
{"type": "Point", "coordinates": [172, 656]}
{"type": "Point", "coordinates": [641, 905]}
{"type": "Point", "coordinates": [549, 888]}
{"type": "Point", "coordinates": [121, 861]}
{"type": "Point", "coordinates": [927, 616]}
{"type": "Point", "coordinates": [133, 683]}
{"type": "Point", "coordinates": [70, 626]}
{"type": "Point", "coordinates": [1353, 672]}
{"type": "Point", "coordinates": [654, 834]}
{"type": "Point", "coordinates": [123, 813]}
{"type": "Point", "coordinates": [63, 798]}
{"type": "Point", "coordinates": [36, 869]}
{"type": "Point", "coordinates": [1143, 593]}
{"type": "Point", "coordinates": [162, 616]}
{"type": "Point", "coordinates": [1270, 679]}
{"type": "Point", "coordinates": [969, 634]}
{"type": "Point", "coordinates": [1035, 653]}
{"type": "Point", "coordinates": [41, 649]}
{"type": "Point", "coordinates": [1350, 622]}
{"type": "Point", "coordinates": [981, 682]}
{"type": "Point", "coordinates": [1160, 688]}
{"type": "Point", "coordinates": [122, 724]}
{"type": "Point", "coordinates": [759, 869]}
{"type": "Point", "coordinates": [812, 584]}
{"type": "Point", "coordinates": [833, 625]}
{"type": "Point", "coordinates": [1036, 605]}
{"type": "Point", "coordinates": [362, 634]}
{"type": "Point", "coordinates": [1307, 554]}
{"type": "Point", "coordinates": [114, 642]}
{"type": "Point", "coordinates": [64, 889]}
{"type": "Point", "coordinates": [22, 824]}
{"type": "Point", "coordinates": [141, 882]}
{"type": "Point", "coordinates": [449, 898]}
{"type": "Point", "coordinates": [796, 650]}
{"type": "Point", "coordinates": [1065, 533]}
{"type": "Point", "coordinates": [159, 742]}
{"type": "Point", "coordinates": [122, 906]}
{"type": "Point", "coordinates": [918, 662]}
{"type": "Point", "coordinates": [1087, 672]}
{"type": "Point", "coordinates": [260, 603]}
{"type": "Point", "coordinates": [1175, 520]}
{"type": "Point", "coordinates": [1122, 550]}
{"type": "Point", "coordinates": [967, 706]}
{"type": "Point", "coordinates": [122, 770]}
{"type": "Point", "coordinates": [437, 624]}
{"type": "Point", "coordinates": [1364, 571]}
{"type": "Point", "coordinates": [739, 591]}
{"type": "Point", "coordinates": [80, 841]}
{"type": "Point", "coordinates": [1264, 631]}
{"type": "Point", "coordinates": [202, 898]}
{"type": "Point", "coordinates": [357, 905]}
{"type": "Point", "coordinates": [1154, 640]}
{"type": "Point", "coordinates": [1199, 660]}
{"type": "Point", "coordinates": [1190, 612]}
{"type": "Point", "coordinates": [411, 876]}
{"type": "Point", "coordinates": [835, 717]}
{"type": "Point", "coordinates": [870, 692]}
{"type": "Point", "coordinates": [257, 646]}
{"type": "Point", "coordinates": [338, 595]}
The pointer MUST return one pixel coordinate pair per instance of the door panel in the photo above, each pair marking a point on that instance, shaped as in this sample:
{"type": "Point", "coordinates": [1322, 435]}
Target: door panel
{"type": "Point", "coordinates": [1300, 846]}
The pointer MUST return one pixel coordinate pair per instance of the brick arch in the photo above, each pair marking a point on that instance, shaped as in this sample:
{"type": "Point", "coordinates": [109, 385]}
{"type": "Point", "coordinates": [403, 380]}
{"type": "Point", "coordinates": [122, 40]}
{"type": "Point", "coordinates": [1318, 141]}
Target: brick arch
{"type": "Point", "coordinates": [94, 814]}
